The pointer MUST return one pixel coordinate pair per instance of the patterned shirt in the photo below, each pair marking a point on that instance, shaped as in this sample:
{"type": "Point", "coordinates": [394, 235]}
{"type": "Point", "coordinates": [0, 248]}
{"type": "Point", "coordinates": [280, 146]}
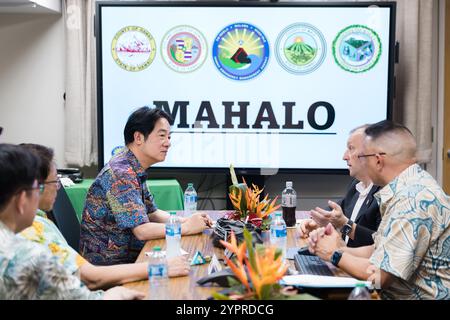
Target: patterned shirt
{"type": "Point", "coordinates": [45, 232]}
{"type": "Point", "coordinates": [29, 271]}
{"type": "Point", "coordinates": [117, 202]}
{"type": "Point", "coordinates": [413, 240]}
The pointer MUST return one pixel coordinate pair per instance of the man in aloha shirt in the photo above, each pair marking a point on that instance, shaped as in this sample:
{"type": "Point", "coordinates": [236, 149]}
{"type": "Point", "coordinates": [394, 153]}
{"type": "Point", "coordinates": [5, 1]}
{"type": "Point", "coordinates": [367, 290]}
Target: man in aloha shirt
{"type": "Point", "coordinates": [415, 243]}
{"type": "Point", "coordinates": [410, 257]}
{"type": "Point", "coordinates": [29, 270]}
{"type": "Point", "coordinates": [46, 233]}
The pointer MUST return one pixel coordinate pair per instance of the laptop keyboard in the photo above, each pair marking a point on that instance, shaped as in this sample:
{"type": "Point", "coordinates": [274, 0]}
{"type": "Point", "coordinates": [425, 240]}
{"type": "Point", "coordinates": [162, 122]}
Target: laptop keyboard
{"type": "Point", "coordinates": [307, 264]}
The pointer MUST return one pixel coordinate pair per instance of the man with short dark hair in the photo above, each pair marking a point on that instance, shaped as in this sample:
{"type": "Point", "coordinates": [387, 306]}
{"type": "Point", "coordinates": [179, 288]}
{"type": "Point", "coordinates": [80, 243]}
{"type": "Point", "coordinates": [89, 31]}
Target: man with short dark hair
{"type": "Point", "coordinates": [45, 232]}
{"type": "Point", "coordinates": [120, 213]}
{"type": "Point", "coordinates": [28, 270]}
{"type": "Point", "coordinates": [410, 257]}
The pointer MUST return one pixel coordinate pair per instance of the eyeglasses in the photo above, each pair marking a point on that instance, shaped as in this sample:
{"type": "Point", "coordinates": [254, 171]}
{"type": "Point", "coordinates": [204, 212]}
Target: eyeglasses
{"type": "Point", "coordinates": [57, 181]}
{"type": "Point", "coordinates": [39, 187]}
{"type": "Point", "coordinates": [371, 155]}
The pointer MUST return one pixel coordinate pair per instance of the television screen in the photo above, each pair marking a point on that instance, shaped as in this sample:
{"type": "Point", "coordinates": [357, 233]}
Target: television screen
{"type": "Point", "coordinates": [274, 86]}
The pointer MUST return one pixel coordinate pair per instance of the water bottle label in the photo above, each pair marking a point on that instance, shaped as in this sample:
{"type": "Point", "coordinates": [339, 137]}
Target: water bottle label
{"type": "Point", "coordinates": [173, 231]}
{"type": "Point", "coordinates": [190, 198]}
{"type": "Point", "coordinates": [280, 233]}
{"type": "Point", "coordinates": [157, 270]}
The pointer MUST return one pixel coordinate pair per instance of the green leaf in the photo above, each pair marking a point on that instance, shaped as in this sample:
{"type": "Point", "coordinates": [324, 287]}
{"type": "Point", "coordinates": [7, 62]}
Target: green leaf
{"type": "Point", "coordinates": [232, 281]}
{"type": "Point", "coordinates": [278, 253]}
{"type": "Point", "coordinates": [220, 296]}
{"type": "Point", "coordinates": [234, 189]}
{"type": "Point", "coordinates": [233, 175]}
{"type": "Point", "coordinates": [266, 292]}
{"type": "Point", "coordinates": [250, 250]}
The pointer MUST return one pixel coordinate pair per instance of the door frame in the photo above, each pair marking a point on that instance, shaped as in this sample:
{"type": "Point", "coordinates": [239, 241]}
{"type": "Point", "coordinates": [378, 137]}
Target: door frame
{"type": "Point", "coordinates": [443, 114]}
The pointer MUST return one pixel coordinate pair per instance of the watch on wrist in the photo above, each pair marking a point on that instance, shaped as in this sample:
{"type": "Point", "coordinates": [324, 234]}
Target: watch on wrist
{"type": "Point", "coordinates": [336, 257]}
{"type": "Point", "coordinates": [347, 228]}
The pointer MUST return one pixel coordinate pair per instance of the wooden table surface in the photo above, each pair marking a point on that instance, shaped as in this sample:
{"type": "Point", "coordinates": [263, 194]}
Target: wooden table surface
{"type": "Point", "coordinates": [186, 288]}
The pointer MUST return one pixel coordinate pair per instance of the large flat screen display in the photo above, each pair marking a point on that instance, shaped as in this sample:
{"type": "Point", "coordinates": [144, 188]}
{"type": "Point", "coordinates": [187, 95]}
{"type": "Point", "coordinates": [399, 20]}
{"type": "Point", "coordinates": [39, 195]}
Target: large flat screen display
{"type": "Point", "coordinates": [276, 86]}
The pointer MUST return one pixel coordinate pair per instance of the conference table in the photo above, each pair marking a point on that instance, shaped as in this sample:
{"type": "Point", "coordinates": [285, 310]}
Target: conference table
{"type": "Point", "coordinates": [186, 288]}
{"type": "Point", "coordinates": [167, 193]}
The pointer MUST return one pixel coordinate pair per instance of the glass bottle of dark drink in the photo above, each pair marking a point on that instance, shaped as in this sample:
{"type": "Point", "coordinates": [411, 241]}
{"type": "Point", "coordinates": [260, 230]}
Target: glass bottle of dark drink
{"type": "Point", "coordinates": [289, 204]}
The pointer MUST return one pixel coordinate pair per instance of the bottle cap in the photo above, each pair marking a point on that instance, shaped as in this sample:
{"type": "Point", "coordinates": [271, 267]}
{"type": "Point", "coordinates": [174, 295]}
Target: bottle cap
{"type": "Point", "coordinates": [172, 213]}
{"type": "Point", "coordinates": [190, 184]}
{"type": "Point", "coordinates": [360, 284]}
{"type": "Point", "coordinates": [156, 248]}
{"type": "Point", "coordinates": [278, 214]}
{"type": "Point", "coordinates": [288, 184]}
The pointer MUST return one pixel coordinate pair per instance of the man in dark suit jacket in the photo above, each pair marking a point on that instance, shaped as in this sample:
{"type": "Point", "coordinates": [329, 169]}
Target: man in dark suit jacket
{"type": "Point", "coordinates": [357, 215]}
{"type": "Point", "coordinates": [368, 217]}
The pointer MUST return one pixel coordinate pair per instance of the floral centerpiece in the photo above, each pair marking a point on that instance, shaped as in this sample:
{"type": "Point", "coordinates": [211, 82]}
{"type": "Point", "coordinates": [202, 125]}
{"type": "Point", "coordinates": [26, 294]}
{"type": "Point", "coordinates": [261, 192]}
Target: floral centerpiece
{"type": "Point", "coordinates": [247, 204]}
{"type": "Point", "coordinates": [258, 269]}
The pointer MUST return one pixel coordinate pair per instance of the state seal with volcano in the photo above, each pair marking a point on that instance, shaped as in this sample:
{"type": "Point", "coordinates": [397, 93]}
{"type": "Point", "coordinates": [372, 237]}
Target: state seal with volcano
{"type": "Point", "coordinates": [241, 51]}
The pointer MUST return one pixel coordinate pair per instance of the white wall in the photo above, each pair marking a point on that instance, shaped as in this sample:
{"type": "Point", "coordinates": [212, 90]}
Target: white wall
{"type": "Point", "coordinates": [32, 80]}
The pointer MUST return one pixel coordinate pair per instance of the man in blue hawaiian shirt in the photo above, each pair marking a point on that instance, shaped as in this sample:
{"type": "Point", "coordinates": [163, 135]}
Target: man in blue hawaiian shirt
{"type": "Point", "coordinates": [410, 256]}
{"type": "Point", "coordinates": [120, 214]}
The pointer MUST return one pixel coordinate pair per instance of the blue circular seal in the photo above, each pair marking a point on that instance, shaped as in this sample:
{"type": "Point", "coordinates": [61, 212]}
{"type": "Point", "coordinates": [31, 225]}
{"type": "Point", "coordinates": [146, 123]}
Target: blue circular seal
{"type": "Point", "coordinates": [240, 51]}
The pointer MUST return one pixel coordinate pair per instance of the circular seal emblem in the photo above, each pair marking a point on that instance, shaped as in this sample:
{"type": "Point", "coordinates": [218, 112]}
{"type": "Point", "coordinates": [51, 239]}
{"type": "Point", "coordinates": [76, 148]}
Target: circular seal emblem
{"type": "Point", "coordinates": [184, 49]}
{"type": "Point", "coordinates": [300, 48]}
{"type": "Point", "coordinates": [117, 150]}
{"type": "Point", "coordinates": [240, 51]}
{"type": "Point", "coordinates": [357, 48]}
{"type": "Point", "coordinates": [133, 48]}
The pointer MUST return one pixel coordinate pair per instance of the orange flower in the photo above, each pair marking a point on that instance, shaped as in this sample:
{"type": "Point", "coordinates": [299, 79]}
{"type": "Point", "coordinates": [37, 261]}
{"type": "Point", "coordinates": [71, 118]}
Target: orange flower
{"type": "Point", "coordinates": [246, 201]}
{"type": "Point", "coordinates": [238, 269]}
{"type": "Point", "coordinates": [236, 198]}
{"type": "Point", "coordinates": [264, 270]}
{"type": "Point", "coordinates": [267, 271]}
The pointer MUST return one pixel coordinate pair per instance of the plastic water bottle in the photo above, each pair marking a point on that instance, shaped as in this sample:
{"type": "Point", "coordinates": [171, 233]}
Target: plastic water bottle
{"type": "Point", "coordinates": [173, 236]}
{"type": "Point", "coordinates": [157, 274]}
{"type": "Point", "coordinates": [278, 233]}
{"type": "Point", "coordinates": [360, 292]}
{"type": "Point", "coordinates": [190, 200]}
{"type": "Point", "coordinates": [289, 204]}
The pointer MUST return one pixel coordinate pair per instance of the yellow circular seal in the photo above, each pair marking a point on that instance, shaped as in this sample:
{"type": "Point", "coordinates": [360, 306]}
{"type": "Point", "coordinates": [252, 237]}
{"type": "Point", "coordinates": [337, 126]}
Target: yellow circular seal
{"type": "Point", "coordinates": [133, 48]}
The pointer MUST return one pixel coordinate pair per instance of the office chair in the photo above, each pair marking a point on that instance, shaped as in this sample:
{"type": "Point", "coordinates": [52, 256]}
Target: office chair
{"type": "Point", "coordinates": [66, 219]}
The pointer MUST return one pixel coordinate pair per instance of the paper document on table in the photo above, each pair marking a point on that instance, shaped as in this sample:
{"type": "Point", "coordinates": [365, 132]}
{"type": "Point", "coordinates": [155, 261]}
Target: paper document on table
{"type": "Point", "coordinates": [314, 281]}
{"type": "Point", "coordinates": [182, 252]}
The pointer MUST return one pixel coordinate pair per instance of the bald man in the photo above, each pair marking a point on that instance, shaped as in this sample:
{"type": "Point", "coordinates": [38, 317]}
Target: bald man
{"type": "Point", "coordinates": [357, 215]}
{"type": "Point", "coordinates": [410, 256]}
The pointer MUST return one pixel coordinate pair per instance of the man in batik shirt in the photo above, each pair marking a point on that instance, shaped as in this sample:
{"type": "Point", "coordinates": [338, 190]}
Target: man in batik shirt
{"type": "Point", "coordinates": [120, 214]}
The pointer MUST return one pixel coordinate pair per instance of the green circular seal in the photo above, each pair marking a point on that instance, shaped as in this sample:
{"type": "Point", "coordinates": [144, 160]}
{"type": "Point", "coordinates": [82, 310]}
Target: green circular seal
{"type": "Point", "coordinates": [356, 48]}
{"type": "Point", "coordinates": [133, 48]}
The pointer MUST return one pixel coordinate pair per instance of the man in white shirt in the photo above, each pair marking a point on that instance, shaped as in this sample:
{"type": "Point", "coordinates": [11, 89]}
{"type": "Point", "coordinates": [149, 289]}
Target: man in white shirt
{"type": "Point", "coordinates": [357, 215]}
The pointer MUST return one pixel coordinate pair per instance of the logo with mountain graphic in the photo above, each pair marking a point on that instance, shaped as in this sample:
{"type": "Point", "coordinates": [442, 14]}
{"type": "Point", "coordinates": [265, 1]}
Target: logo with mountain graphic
{"type": "Point", "coordinates": [133, 48]}
{"type": "Point", "coordinates": [184, 49]}
{"type": "Point", "coordinates": [357, 48]}
{"type": "Point", "coordinates": [240, 51]}
{"type": "Point", "coordinates": [300, 48]}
